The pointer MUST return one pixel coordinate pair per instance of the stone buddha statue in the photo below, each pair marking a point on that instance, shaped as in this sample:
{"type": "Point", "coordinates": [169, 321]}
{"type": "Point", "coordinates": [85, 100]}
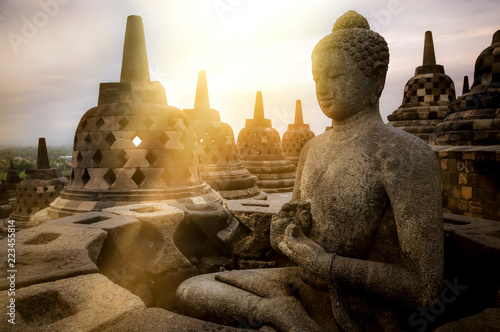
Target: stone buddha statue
{"type": "Point", "coordinates": [365, 224]}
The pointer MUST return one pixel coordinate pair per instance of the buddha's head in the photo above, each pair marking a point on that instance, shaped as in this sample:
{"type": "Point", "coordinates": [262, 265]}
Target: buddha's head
{"type": "Point", "coordinates": [349, 67]}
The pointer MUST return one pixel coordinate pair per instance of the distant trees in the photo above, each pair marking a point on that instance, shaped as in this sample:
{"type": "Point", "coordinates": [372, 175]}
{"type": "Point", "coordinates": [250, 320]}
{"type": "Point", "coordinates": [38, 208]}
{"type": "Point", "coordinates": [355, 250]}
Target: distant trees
{"type": "Point", "coordinates": [24, 158]}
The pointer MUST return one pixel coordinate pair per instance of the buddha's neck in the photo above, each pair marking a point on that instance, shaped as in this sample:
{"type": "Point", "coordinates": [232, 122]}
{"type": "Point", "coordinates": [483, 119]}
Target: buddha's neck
{"type": "Point", "coordinates": [356, 124]}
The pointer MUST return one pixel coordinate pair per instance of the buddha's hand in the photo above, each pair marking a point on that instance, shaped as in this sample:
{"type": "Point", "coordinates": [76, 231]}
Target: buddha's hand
{"type": "Point", "coordinates": [297, 212]}
{"type": "Point", "coordinates": [305, 252]}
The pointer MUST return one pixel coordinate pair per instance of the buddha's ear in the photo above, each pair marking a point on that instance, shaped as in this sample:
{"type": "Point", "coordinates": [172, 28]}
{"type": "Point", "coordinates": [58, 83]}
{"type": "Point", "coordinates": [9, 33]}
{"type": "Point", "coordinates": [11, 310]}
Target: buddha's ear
{"type": "Point", "coordinates": [379, 73]}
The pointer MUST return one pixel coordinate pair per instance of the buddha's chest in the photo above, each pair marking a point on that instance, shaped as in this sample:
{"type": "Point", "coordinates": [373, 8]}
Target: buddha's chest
{"type": "Point", "coordinates": [347, 197]}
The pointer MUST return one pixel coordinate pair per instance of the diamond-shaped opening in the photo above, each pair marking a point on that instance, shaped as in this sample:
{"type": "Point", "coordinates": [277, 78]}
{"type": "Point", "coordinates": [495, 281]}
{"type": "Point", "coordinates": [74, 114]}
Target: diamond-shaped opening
{"type": "Point", "coordinates": [166, 177]}
{"type": "Point", "coordinates": [148, 122]}
{"type": "Point", "coordinates": [171, 123]}
{"type": "Point", "coordinates": [110, 139]}
{"type": "Point", "coordinates": [214, 159]}
{"type": "Point", "coordinates": [206, 149]}
{"type": "Point", "coordinates": [123, 157]}
{"type": "Point", "coordinates": [88, 139]}
{"type": "Point", "coordinates": [97, 157]}
{"type": "Point", "coordinates": [123, 123]}
{"type": "Point", "coordinates": [138, 177]}
{"type": "Point", "coordinates": [100, 123]}
{"type": "Point", "coordinates": [137, 141]}
{"type": "Point", "coordinates": [151, 157]}
{"type": "Point", "coordinates": [109, 177]}
{"type": "Point", "coordinates": [79, 158]}
{"type": "Point", "coordinates": [84, 124]}
{"type": "Point", "coordinates": [29, 210]}
{"type": "Point", "coordinates": [85, 177]}
{"type": "Point", "coordinates": [46, 202]}
{"type": "Point", "coordinates": [164, 138]}
{"type": "Point", "coordinates": [227, 159]}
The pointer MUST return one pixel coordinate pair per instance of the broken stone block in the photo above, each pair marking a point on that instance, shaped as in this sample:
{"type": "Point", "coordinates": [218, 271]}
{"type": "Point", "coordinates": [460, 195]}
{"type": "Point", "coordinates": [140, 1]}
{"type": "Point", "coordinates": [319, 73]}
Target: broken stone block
{"type": "Point", "coordinates": [51, 252]}
{"type": "Point", "coordinates": [248, 232]}
{"type": "Point", "coordinates": [122, 232]}
{"type": "Point", "coordinates": [151, 265]}
{"type": "Point", "coordinates": [162, 220]}
{"type": "Point", "coordinates": [84, 303]}
{"type": "Point", "coordinates": [156, 319]}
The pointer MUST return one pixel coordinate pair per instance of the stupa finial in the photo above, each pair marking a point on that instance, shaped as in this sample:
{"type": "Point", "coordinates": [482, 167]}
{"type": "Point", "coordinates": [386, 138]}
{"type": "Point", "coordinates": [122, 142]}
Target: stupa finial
{"type": "Point", "coordinates": [201, 101]}
{"type": "Point", "coordinates": [135, 65]}
{"type": "Point", "coordinates": [466, 88]}
{"type": "Point", "coordinates": [42, 161]}
{"type": "Point", "coordinates": [429, 55]}
{"type": "Point", "coordinates": [299, 119]}
{"type": "Point", "coordinates": [258, 113]}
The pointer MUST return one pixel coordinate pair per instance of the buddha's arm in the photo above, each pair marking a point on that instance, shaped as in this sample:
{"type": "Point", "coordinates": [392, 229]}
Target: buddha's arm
{"type": "Point", "coordinates": [415, 196]}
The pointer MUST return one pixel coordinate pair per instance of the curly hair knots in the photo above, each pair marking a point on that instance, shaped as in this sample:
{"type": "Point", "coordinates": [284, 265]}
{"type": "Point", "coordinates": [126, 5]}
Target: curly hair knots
{"type": "Point", "coordinates": [351, 33]}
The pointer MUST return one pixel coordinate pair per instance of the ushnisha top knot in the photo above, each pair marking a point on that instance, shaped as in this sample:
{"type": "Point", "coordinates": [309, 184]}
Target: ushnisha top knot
{"type": "Point", "coordinates": [351, 33]}
{"type": "Point", "coordinates": [351, 20]}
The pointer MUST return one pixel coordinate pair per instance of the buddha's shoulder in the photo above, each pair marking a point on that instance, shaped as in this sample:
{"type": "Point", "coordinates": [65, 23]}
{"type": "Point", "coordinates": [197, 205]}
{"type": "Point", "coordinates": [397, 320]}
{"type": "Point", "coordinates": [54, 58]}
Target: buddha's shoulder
{"type": "Point", "coordinates": [401, 145]}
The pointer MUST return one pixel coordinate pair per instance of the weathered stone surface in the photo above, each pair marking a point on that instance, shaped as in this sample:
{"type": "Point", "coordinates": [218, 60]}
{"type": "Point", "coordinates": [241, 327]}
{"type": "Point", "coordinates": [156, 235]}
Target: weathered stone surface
{"type": "Point", "coordinates": [219, 166]}
{"type": "Point", "coordinates": [133, 147]}
{"type": "Point", "coordinates": [248, 232]}
{"type": "Point", "coordinates": [365, 227]}
{"type": "Point", "coordinates": [84, 303]}
{"type": "Point", "coordinates": [150, 264]}
{"type": "Point", "coordinates": [156, 319]}
{"type": "Point", "coordinates": [259, 149]}
{"type": "Point", "coordinates": [426, 96]}
{"type": "Point", "coordinates": [51, 252]}
{"type": "Point", "coordinates": [487, 321]}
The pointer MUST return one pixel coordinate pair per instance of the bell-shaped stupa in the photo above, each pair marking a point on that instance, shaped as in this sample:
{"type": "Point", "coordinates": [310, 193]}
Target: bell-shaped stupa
{"type": "Point", "coordinates": [39, 188]}
{"type": "Point", "coordinates": [426, 96]}
{"type": "Point", "coordinates": [219, 166]}
{"type": "Point", "coordinates": [259, 149]}
{"type": "Point", "coordinates": [297, 135]}
{"type": "Point", "coordinates": [133, 147]}
{"type": "Point", "coordinates": [475, 115]}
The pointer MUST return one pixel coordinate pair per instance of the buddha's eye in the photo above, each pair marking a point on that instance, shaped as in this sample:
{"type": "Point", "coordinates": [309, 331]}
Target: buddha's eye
{"type": "Point", "coordinates": [334, 74]}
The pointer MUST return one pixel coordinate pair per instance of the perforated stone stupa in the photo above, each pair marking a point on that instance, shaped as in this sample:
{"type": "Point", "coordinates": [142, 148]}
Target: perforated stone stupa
{"type": "Point", "coordinates": [297, 135]}
{"type": "Point", "coordinates": [259, 149]}
{"type": "Point", "coordinates": [475, 115]}
{"type": "Point", "coordinates": [426, 96]}
{"type": "Point", "coordinates": [219, 166]}
{"type": "Point", "coordinates": [133, 147]}
{"type": "Point", "coordinates": [39, 188]}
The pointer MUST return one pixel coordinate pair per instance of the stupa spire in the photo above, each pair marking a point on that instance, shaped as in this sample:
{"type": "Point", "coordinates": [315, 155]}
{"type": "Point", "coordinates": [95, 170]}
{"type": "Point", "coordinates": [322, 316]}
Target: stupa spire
{"type": "Point", "coordinates": [258, 113]}
{"type": "Point", "coordinates": [465, 87]}
{"type": "Point", "coordinates": [202, 101]}
{"type": "Point", "coordinates": [429, 55]}
{"type": "Point", "coordinates": [135, 59]}
{"type": "Point", "coordinates": [299, 119]}
{"type": "Point", "coordinates": [42, 161]}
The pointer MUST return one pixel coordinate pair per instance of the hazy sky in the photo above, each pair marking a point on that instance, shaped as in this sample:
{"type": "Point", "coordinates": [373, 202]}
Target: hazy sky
{"type": "Point", "coordinates": [54, 54]}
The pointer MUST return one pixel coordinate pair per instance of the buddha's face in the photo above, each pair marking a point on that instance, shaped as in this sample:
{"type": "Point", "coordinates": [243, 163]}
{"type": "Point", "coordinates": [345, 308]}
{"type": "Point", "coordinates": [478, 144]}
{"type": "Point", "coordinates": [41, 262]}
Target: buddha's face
{"type": "Point", "coordinates": [341, 87]}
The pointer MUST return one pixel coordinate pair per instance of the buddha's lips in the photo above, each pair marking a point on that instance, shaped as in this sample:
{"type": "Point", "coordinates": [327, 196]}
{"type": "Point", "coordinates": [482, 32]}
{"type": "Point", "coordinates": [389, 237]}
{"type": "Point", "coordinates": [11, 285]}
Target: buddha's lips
{"type": "Point", "coordinates": [325, 102]}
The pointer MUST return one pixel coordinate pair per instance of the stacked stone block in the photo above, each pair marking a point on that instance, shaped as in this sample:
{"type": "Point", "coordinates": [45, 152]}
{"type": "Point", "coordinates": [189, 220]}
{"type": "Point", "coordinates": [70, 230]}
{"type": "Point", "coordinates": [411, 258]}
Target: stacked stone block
{"type": "Point", "coordinates": [470, 181]}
